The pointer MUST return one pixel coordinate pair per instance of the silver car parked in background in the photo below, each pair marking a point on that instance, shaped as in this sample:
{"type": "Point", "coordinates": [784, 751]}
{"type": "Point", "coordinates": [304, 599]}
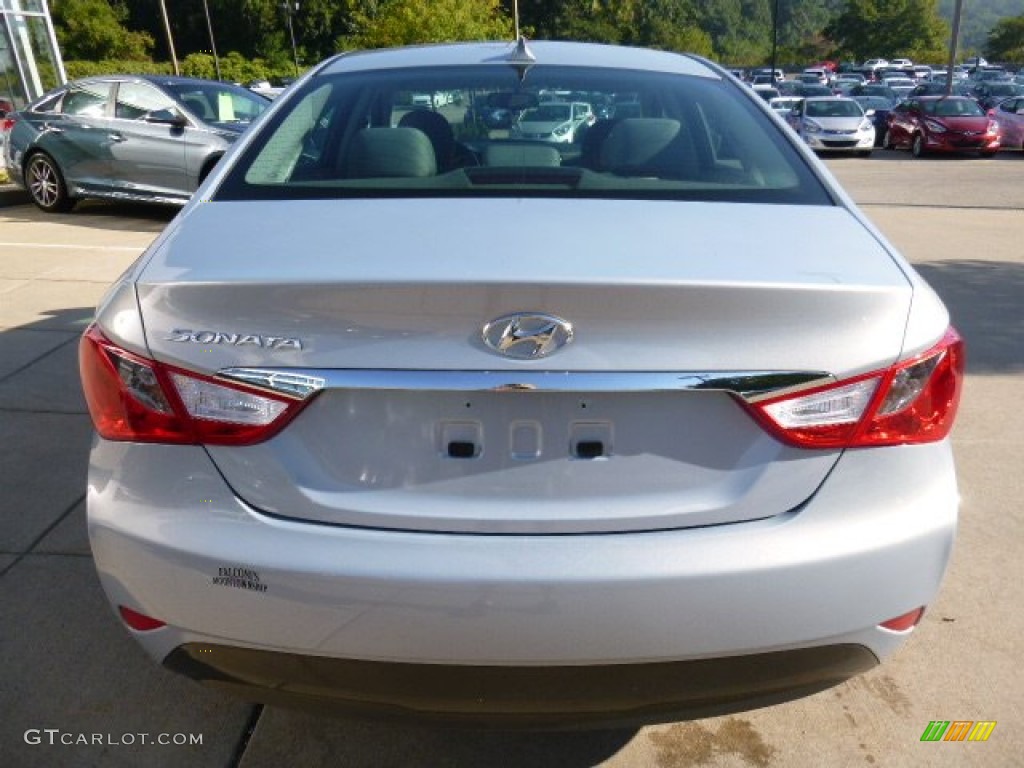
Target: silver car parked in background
{"type": "Point", "coordinates": [630, 461]}
{"type": "Point", "coordinates": [146, 138]}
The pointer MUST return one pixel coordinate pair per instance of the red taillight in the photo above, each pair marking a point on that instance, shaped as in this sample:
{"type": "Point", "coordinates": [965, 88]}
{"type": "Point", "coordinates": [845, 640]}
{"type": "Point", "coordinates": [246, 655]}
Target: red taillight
{"type": "Point", "coordinates": [914, 401]}
{"type": "Point", "coordinates": [139, 621]}
{"type": "Point", "coordinates": [6, 123]}
{"type": "Point", "coordinates": [904, 622]}
{"type": "Point", "coordinates": [133, 398]}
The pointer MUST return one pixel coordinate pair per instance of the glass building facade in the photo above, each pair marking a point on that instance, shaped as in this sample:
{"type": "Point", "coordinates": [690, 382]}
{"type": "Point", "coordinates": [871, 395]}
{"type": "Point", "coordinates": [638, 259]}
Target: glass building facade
{"type": "Point", "coordinates": [30, 62]}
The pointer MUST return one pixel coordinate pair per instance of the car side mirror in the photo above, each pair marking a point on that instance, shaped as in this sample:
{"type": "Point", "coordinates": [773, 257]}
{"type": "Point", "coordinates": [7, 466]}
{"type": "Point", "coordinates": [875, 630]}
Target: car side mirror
{"type": "Point", "coordinates": [167, 117]}
{"type": "Point", "coordinates": [869, 113]}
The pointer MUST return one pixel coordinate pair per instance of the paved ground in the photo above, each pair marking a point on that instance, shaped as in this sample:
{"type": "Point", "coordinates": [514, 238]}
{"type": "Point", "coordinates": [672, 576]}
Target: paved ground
{"type": "Point", "coordinates": [71, 673]}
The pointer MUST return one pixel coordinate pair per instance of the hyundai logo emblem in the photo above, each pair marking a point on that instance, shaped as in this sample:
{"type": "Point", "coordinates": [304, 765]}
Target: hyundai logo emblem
{"type": "Point", "coordinates": [527, 336]}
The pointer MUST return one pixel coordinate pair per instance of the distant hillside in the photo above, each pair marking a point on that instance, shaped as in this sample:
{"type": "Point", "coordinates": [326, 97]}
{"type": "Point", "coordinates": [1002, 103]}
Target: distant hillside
{"type": "Point", "coordinates": [978, 18]}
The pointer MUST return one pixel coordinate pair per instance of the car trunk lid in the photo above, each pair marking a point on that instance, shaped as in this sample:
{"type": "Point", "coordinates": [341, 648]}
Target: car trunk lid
{"type": "Point", "coordinates": [422, 426]}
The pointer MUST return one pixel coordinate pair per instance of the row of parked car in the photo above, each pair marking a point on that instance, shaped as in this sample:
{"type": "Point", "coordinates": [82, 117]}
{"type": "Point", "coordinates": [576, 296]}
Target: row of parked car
{"type": "Point", "coordinates": [900, 79]}
{"type": "Point", "coordinates": [922, 124]}
{"type": "Point", "coordinates": [914, 107]}
{"type": "Point", "coordinates": [875, 70]}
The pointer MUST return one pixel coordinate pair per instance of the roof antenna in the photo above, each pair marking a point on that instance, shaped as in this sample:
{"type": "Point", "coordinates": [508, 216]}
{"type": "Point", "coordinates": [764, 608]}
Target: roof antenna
{"type": "Point", "coordinates": [521, 57]}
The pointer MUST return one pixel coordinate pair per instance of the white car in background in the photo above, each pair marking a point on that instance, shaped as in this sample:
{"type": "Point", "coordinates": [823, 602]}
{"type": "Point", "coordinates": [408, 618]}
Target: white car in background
{"type": "Point", "coordinates": [834, 124]}
{"type": "Point", "coordinates": [432, 100]}
{"type": "Point", "coordinates": [823, 76]}
{"type": "Point", "coordinates": [901, 86]}
{"type": "Point", "coordinates": [265, 89]}
{"type": "Point", "coordinates": [554, 121]}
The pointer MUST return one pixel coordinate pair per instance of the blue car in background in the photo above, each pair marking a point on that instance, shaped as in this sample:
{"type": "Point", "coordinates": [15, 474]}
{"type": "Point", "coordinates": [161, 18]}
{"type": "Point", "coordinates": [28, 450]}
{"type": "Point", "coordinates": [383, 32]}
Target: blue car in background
{"type": "Point", "coordinates": [146, 138]}
{"type": "Point", "coordinates": [877, 108]}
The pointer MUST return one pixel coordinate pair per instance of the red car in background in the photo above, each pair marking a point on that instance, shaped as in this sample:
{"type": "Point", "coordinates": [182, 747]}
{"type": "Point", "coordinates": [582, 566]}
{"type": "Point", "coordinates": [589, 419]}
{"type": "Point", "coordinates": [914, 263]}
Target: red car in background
{"type": "Point", "coordinates": [1010, 116]}
{"type": "Point", "coordinates": [941, 124]}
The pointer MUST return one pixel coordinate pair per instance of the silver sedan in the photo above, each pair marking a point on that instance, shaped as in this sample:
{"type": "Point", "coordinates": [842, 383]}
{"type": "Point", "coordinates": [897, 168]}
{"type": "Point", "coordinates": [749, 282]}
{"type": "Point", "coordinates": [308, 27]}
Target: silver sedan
{"type": "Point", "coordinates": [604, 453]}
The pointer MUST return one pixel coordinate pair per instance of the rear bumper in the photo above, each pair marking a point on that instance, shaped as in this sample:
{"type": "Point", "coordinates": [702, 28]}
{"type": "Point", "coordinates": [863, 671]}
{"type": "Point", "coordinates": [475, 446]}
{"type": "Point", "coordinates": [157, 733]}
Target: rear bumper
{"type": "Point", "coordinates": [522, 696]}
{"type": "Point", "coordinates": [172, 541]}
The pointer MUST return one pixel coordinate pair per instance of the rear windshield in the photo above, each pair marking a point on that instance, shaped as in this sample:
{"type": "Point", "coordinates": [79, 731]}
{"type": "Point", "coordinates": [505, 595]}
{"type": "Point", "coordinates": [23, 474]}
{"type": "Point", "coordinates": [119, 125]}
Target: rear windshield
{"type": "Point", "coordinates": [561, 131]}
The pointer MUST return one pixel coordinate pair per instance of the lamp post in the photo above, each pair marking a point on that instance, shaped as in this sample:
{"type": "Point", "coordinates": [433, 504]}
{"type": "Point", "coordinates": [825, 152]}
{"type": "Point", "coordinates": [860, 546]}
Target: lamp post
{"type": "Point", "coordinates": [957, 11]}
{"type": "Point", "coordinates": [170, 40]}
{"type": "Point", "coordinates": [213, 45]}
{"type": "Point", "coordinates": [775, 36]}
{"type": "Point", "coordinates": [291, 7]}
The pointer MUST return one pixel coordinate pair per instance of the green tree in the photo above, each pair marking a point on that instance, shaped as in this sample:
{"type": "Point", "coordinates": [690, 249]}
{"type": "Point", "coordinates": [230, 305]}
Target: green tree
{"type": "Point", "coordinates": [978, 20]}
{"type": "Point", "coordinates": [79, 69]}
{"type": "Point", "coordinates": [802, 26]}
{"type": "Point", "coordinates": [92, 29]}
{"type": "Point", "coordinates": [1006, 40]}
{"type": "Point", "coordinates": [740, 30]}
{"type": "Point", "coordinates": [671, 25]}
{"type": "Point", "coordinates": [262, 28]}
{"type": "Point", "coordinates": [405, 22]}
{"type": "Point", "coordinates": [594, 22]}
{"type": "Point", "coordinates": [319, 23]}
{"type": "Point", "coordinates": [267, 33]}
{"type": "Point", "coordinates": [889, 28]}
{"type": "Point", "coordinates": [668, 24]}
{"type": "Point", "coordinates": [735, 31]}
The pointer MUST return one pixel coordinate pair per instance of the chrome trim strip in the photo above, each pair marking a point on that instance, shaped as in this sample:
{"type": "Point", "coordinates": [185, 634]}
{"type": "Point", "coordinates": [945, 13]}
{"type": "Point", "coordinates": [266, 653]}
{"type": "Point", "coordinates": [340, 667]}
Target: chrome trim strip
{"type": "Point", "coordinates": [752, 386]}
{"type": "Point", "coordinates": [294, 384]}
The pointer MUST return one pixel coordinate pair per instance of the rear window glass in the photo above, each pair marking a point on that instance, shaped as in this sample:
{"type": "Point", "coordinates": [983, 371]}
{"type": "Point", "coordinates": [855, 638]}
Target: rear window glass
{"type": "Point", "coordinates": [561, 131]}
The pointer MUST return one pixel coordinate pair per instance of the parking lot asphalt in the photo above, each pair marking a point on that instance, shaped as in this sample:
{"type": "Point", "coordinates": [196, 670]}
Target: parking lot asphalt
{"type": "Point", "coordinates": [72, 674]}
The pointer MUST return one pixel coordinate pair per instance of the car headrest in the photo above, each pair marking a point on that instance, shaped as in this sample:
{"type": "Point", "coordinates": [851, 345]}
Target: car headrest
{"type": "Point", "coordinates": [647, 146]}
{"type": "Point", "coordinates": [391, 153]}
{"type": "Point", "coordinates": [198, 106]}
{"type": "Point", "coordinates": [437, 129]}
